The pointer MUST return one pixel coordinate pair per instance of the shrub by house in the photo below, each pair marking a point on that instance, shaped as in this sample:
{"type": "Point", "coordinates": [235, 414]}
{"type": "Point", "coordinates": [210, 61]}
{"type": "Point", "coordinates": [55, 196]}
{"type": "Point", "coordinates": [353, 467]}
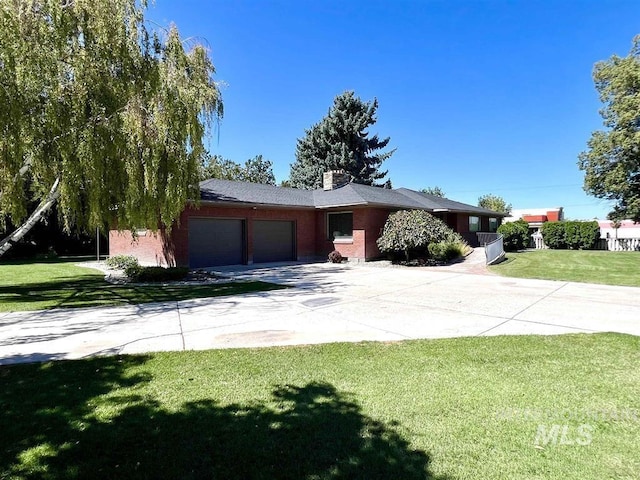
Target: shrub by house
{"type": "Point", "coordinates": [411, 232]}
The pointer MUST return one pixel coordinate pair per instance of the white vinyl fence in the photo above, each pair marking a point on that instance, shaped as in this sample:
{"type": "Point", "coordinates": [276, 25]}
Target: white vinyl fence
{"type": "Point", "coordinates": [612, 244]}
{"type": "Point", "coordinates": [619, 244]}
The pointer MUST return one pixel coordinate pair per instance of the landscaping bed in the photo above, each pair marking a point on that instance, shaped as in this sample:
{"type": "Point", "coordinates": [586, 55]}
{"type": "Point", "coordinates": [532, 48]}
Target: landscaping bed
{"type": "Point", "coordinates": [65, 283]}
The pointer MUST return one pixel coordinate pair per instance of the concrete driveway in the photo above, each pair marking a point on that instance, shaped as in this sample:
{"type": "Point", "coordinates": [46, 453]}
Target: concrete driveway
{"type": "Point", "coordinates": [327, 303]}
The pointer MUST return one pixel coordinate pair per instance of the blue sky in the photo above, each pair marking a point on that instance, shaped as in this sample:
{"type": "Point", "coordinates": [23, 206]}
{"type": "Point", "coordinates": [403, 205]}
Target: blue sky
{"type": "Point", "coordinates": [477, 96]}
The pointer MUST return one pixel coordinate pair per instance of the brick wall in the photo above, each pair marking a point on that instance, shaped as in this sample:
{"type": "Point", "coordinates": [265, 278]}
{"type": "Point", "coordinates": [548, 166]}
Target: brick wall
{"type": "Point", "coordinates": [367, 226]}
{"type": "Point", "coordinates": [148, 247]}
{"type": "Point", "coordinates": [375, 220]}
{"type": "Point", "coordinates": [162, 249]}
{"type": "Point", "coordinates": [304, 225]}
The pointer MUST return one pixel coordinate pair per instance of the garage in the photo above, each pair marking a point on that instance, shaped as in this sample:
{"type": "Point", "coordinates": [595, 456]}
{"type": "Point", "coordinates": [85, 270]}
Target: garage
{"type": "Point", "coordinates": [216, 241]}
{"type": "Point", "coordinates": [273, 241]}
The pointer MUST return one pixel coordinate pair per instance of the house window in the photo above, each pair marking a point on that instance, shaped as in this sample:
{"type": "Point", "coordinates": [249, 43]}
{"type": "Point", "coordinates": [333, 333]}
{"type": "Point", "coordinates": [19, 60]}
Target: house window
{"type": "Point", "coordinates": [340, 226]}
{"type": "Point", "coordinates": [493, 224]}
{"type": "Point", "coordinates": [474, 224]}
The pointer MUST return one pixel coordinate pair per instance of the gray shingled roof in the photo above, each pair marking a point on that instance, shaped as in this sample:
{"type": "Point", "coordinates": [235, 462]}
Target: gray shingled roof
{"type": "Point", "coordinates": [215, 190]}
{"type": "Point", "coordinates": [352, 194]}
{"type": "Point", "coordinates": [356, 194]}
{"type": "Point", "coordinates": [433, 202]}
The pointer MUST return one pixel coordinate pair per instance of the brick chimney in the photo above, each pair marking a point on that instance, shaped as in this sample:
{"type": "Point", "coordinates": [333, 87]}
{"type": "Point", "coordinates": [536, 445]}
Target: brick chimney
{"type": "Point", "coordinates": [335, 179]}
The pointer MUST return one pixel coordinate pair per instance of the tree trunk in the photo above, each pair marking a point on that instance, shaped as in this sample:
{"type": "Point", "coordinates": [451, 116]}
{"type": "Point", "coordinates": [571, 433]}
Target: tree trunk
{"type": "Point", "coordinates": [35, 217]}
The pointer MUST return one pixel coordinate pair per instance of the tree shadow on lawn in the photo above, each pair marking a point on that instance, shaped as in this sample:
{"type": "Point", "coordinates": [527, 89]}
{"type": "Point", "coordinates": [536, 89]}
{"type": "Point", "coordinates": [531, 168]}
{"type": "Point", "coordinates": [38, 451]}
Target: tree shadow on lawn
{"type": "Point", "coordinates": [95, 292]}
{"type": "Point", "coordinates": [313, 431]}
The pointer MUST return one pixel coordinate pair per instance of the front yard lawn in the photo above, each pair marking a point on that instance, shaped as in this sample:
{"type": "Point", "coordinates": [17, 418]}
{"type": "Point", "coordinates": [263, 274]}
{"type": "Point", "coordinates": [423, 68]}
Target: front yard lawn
{"type": "Point", "coordinates": [525, 407]}
{"type": "Point", "coordinates": [590, 266]}
{"type": "Point", "coordinates": [62, 284]}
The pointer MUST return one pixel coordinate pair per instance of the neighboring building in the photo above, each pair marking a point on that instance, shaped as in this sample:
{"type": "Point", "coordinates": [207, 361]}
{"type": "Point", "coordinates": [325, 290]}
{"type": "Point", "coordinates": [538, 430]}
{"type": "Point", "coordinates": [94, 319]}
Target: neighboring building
{"type": "Point", "coordinates": [627, 229]}
{"type": "Point", "coordinates": [246, 223]}
{"type": "Point", "coordinates": [535, 217]}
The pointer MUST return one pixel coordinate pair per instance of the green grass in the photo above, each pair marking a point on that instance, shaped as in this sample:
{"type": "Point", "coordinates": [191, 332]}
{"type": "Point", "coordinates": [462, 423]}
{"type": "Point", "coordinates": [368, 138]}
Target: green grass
{"type": "Point", "coordinates": [437, 409]}
{"type": "Point", "coordinates": [609, 268]}
{"type": "Point", "coordinates": [62, 284]}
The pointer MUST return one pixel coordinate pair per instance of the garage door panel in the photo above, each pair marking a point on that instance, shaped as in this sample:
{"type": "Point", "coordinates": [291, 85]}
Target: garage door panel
{"type": "Point", "coordinates": [273, 241]}
{"type": "Point", "coordinates": [215, 241]}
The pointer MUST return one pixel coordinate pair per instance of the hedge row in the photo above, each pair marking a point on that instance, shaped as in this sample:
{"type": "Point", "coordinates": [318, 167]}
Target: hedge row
{"type": "Point", "coordinates": [515, 235]}
{"type": "Point", "coordinates": [575, 235]}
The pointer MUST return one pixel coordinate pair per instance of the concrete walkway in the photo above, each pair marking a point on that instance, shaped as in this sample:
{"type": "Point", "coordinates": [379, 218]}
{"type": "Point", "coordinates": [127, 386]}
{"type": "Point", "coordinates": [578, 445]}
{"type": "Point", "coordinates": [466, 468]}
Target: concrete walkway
{"type": "Point", "coordinates": [327, 303]}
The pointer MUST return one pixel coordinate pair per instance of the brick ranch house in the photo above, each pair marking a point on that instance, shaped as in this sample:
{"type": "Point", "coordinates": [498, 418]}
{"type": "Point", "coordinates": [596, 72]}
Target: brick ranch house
{"type": "Point", "coordinates": [246, 223]}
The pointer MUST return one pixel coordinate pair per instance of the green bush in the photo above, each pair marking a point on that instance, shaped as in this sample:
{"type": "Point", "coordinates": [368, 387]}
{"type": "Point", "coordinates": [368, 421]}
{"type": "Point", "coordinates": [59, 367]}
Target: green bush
{"type": "Point", "coordinates": [445, 251]}
{"type": "Point", "coordinates": [437, 251]}
{"type": "Point", "coordinates": [411, 231]}
{"type": "Point", "coordinates": [137, 273]}
{"type": "Point", "coordinates": [571, 234]}
{"type": "Point", "coordinates": [121, 261]}
{"type": "Point", "coordinates": [515, 235]}
{"type": "Point", "coordinates": [553, 234]}
{"type": "Point", "coordinates": [589, 234]}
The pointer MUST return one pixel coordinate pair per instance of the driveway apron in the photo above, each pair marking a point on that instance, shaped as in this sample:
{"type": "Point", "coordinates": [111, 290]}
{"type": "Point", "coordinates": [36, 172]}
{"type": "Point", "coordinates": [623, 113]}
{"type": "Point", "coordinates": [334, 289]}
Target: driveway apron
{"type": "Point", "coordinates": [328, 303]}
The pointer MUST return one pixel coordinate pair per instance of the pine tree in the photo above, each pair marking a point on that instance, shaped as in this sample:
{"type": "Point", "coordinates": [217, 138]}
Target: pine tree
{"type": "Point", "coordinates": [340, 141]}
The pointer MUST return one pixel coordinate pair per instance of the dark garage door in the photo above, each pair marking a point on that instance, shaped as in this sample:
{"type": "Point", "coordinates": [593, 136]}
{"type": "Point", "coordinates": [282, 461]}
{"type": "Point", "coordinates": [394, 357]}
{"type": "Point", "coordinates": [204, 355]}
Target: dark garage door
{"type": "Point", "coordinates": [215, 241]}
{"type": "Point", "coordinates": [273, 241]}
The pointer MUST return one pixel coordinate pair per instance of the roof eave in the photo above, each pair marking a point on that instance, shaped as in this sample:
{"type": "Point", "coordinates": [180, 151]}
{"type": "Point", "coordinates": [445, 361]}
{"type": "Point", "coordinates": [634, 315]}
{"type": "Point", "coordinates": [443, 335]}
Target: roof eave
{"type": "Point", "coordinates": [342, 205]}
{"type": "Point", "coordinates": [255, 205]}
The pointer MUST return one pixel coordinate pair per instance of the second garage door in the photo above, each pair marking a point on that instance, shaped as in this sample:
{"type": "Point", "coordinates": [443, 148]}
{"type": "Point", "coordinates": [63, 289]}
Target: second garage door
{"type": "Point", "coordinates": [273, 241]}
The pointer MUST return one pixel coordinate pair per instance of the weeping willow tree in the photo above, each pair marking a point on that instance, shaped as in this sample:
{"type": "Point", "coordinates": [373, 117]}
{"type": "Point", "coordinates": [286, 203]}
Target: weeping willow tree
{"type": "Point", "coordinates": [99, 114]}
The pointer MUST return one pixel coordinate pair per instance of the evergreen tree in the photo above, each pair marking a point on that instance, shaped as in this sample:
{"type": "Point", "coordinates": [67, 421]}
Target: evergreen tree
{"type": "Point", "coordinates": [340, 141]}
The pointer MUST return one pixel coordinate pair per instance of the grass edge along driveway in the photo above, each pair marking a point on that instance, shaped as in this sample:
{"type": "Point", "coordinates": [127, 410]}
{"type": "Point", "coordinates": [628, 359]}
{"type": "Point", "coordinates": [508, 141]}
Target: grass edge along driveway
{"type": "Point", "coordinates": [587, 266]}
{"type": "Point", "coordinates": [62, 284]}
{"type": "Point", "coordinates": [519, 407]}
